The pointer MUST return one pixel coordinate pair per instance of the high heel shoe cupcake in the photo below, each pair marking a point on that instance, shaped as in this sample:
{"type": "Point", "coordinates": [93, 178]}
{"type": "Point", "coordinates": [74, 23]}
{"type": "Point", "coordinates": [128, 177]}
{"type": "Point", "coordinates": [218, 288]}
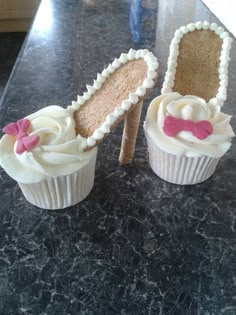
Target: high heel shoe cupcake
{"type": "Point", "coordinates": [186, 131]}
{"type": "Point", "coordinates": [52, 152]}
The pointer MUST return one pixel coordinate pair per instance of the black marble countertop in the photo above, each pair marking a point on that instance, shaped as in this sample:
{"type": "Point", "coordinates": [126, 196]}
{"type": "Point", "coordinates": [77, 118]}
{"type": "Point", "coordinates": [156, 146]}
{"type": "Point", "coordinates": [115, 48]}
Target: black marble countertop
{"type": "Point", "coordinates": [136, 245]}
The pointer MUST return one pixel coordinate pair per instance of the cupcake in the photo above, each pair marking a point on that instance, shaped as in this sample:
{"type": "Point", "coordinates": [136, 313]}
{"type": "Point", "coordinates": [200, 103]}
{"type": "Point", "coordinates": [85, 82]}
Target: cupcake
{"type": "Point", "coordinates": [186, 137]}
{"type": "Point", "coordinates": [44, 155]}
{"type": "Point", "coordinates": [186, 131]}
{"type": "Point", "coordinates": [52, 153]}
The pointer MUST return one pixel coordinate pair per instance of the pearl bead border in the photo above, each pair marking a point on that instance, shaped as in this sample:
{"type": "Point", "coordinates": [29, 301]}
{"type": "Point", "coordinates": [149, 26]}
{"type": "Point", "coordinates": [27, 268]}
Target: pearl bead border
{"type": "Point", "coordinates": [133, 98]}
{"type": "Point", "coordinates": [168, 84]}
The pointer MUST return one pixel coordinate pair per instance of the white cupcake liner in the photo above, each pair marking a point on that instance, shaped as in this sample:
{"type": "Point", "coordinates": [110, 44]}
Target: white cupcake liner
{"type": "Point", "coordinates": [180, 170]}
{"type": "Point", "coordinates": [62, 191]}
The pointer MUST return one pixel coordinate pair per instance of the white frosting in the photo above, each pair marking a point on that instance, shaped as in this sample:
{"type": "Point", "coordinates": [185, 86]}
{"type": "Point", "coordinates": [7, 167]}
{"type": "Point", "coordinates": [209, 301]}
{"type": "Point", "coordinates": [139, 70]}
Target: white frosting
{"type": "Point", "coordinates": [126, 104]}
{"type": "Point", "coordinates": [224, 58]}
{"type": "Point", "coordinates": [116, 63]}
{"type": "Point", "coordinates": [97, 86]}
{"type": "Point", "coordinates": [185, 143]}
{"type": "Point", "coordinates": [91, 89]}
{"type": "Point", "coordinates": [59, 151]}
{"type": "Point", "coordinates": [133, 98]}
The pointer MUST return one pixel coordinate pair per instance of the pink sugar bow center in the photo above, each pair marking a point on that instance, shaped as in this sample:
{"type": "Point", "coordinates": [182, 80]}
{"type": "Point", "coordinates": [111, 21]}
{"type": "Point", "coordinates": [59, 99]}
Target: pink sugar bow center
{"type": "Point", "coordinates": [20, 135]}
{"type": "Point", "coordinates": [19, 130]}
{"type": "Point", "coordinates": [201, 129]}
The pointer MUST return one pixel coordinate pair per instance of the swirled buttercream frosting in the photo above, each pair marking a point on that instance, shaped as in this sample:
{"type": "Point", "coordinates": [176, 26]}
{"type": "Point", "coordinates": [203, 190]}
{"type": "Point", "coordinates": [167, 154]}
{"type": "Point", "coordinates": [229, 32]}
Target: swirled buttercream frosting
{"type": "Point", "coordinates": [194, 109]}
{"type": "Point", "coordinates": [58, 151]}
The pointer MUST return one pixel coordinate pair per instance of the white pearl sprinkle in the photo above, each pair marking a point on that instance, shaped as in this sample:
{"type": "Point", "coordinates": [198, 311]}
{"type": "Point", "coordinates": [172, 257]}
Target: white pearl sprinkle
{"type": "Point", "coordinates": [98, 134]}
{"type": "Point", "coordinates": [75, 105]}
{"type": "Point", "coordinates": [175, 54]}
{"type": "Point", "coordinates": [174, 45]}
{"type": "Point", "coordinates": [223, 68]}
{"type": "Point", "coordinates": [148, 59]}
{"type": "Point", "coordinates": [91, 89]}
{"type": "Point", "coordinates": [148, 83]}
{"type": "Point", "coordinates": [110, 68]}
{"type": "Point", "coordinates": [91, 141]}
{"type": "Point", "coordinates": [191, 27]}
{"type": "Point", "coordinates": [105, 73]}
{"type": "Point", "coordinates": [224, 35]}
{"type": "Point", "coordinates": [131, 54]}
{"type": "Point", "coordinates": [111, 118]}
{"type": "Point", "coordinates": [140, 91]}
{"type": "Point", "coordinates": [220, 101]}
{"type": "Point", "coordinates": [71, 108]}
{"type": "Point", "coordinates": [143, 53]}
{"type": "Point", "coordinates": [100, 78]}
{"type": "Point", "coordinates": [205, 25]}
{"type": "Point", "coordinates": [105, 127]}
{"type": "Point", "coordinates": [198, 25]}
{"type": "Point", "coordinates": [222, 96]}
{"type": "Point", "coordinates": [138, 54]}
{"type": "Point", "coordinates": [222, 90]}
{"type": "Point", "coordinates": [83, 142]}
{"type": "Point", "coordinates": [80, 100]}
{"type": "Point", "coordinates": [228, 41]}
{"type": "Point", "coordinates": [154, 65]}
{"type": "Point", "coordinates": [184, 29]}
{"type": "Point", "coordinates": [213, 26]}
{"type": "Point", "coordinates": [86, 95]}
{"type": "Point", "coordinates": [171, 83]}
{"type": "Point", "coordinates": [97, 84]}
{"type": "Point", "coordinates": [213, 101]}
{"type": "Point", "coordinates": [119, 111]}
{"type": "Point", "coordinates": [170, 76]}
{"type": "Point", "coordinates": [123, 58]}
{"type": "Point", "coordinates": [133, 98]}
{"type": "Point", "coordinates": [224, 83]}
{"type": "Point", "coordinates": [179, 34]}
{"type": "Point", "coordinates": [116, 63]}
{"type": "Point", "coordinates": [151, 74]}
{"type": "Point", "coordinates": [166, 89]}
{"type": "Point", "coordinates": [126, 105]}
{"type": "Point", "coordinates": [172, 63]}
{"type": "Point", "coordinates": [222, 76]}
{"type": "Point", "coordinates": [219, 30]}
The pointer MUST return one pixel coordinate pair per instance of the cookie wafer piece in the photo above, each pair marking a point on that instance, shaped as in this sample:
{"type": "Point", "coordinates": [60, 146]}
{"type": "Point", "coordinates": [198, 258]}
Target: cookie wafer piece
{"type": "Point", "coordinates": [117, 93]}
{"type": "Point", "coordinates": [198, 62]}
{"type": "Point", "coordinates": [129, 134]}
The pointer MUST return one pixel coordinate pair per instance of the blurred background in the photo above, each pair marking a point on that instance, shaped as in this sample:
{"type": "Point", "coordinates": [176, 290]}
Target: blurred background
{"type": "Point", "coordinates": [16, 17]}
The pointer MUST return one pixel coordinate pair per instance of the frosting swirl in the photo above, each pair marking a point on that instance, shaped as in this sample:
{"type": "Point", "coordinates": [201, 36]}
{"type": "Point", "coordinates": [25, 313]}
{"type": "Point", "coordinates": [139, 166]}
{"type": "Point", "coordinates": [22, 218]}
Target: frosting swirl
{"type": "Point", "coordinates": [185, 143]}
{"type": "Point", "coordinates": [59, 151]}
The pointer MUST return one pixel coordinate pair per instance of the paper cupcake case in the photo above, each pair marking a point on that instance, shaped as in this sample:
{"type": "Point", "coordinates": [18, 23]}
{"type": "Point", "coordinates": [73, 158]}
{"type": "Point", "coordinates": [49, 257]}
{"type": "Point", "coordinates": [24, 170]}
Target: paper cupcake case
{"type": "Point", "coordinates": [62, 191]}
{"type": "Point", "coordinates": [180, 170]}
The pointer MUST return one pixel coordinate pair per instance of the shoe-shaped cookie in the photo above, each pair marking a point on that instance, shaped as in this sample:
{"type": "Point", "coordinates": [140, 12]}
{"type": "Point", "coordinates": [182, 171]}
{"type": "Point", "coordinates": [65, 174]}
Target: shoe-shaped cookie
{"type": "Point", "coordinates": [198, 62]}
{"type": "Point", "coordinates": [117, 93]}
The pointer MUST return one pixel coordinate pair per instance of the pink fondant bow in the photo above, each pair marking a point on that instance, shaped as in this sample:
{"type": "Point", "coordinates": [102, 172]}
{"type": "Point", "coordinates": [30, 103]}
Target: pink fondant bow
{"type": "Point", "coordinates": [201, 129]}
{"type": "Point", "coordinates": [19, 130]}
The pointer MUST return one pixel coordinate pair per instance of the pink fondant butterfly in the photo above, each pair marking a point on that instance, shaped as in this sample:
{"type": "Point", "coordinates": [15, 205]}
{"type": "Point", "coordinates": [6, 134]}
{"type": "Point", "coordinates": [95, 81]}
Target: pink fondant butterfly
{"type": "Point", "coordinates": [19, 130]}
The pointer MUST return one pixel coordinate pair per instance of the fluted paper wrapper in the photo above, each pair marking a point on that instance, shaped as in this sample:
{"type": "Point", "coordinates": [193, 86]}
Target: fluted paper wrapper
{"type": "Point", "coordinates": [180, 170]}
{"type": "Point", "coordinates": [61, 191]}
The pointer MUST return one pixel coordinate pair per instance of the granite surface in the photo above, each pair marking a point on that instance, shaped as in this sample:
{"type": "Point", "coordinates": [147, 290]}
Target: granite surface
{"type": "Point", "coordinates": [136, 245]}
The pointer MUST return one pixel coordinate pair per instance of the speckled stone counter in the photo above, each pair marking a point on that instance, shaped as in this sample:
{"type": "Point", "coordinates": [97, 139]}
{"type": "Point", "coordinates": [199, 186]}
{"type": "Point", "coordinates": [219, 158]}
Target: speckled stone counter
{"type": "Point", "coordinates": [136, 245]}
